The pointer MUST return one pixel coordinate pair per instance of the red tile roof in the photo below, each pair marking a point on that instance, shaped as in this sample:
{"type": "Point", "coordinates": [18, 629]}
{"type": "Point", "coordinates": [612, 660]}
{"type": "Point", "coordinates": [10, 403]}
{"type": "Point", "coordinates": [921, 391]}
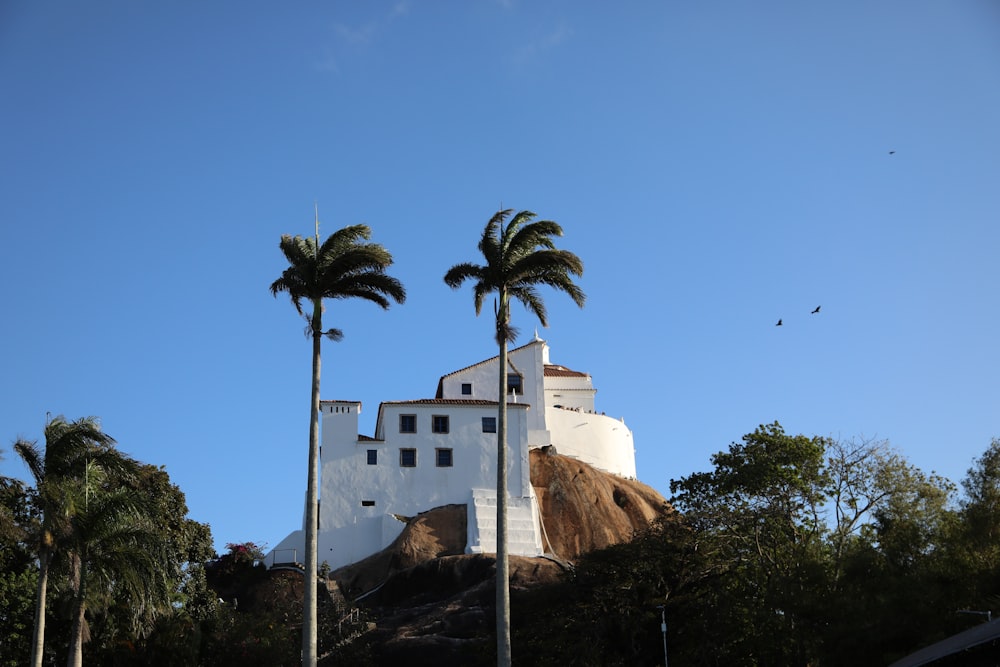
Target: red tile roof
{"type": "Point", "coordinates": [451, 401]}
{"type": "Point", "coordinates": [554, 370]}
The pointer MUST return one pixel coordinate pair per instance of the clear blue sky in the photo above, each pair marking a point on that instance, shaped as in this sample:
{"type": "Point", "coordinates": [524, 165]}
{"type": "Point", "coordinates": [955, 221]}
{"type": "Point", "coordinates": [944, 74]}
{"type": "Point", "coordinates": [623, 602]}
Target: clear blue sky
{"type": "Point", "coordinates": [717, 165]}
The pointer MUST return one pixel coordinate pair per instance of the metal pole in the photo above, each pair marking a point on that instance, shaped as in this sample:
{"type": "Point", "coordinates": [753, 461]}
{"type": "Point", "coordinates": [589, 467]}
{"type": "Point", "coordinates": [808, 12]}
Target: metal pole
{"type": "Point", "coordinates": [663, 629]}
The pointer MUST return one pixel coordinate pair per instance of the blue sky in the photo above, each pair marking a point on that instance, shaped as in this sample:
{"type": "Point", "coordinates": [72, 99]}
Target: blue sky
{"type": "Point", "coordinates": [717, 166]}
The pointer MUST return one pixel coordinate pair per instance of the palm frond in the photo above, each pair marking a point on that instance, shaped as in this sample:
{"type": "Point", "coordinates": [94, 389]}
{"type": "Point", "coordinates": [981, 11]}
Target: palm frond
{"type": "Point", "coordinates": [342, 267]}
{"type": "Point", "coordinates": [459, 273]}
{"type": "Point", "coordinates": [519, 256]}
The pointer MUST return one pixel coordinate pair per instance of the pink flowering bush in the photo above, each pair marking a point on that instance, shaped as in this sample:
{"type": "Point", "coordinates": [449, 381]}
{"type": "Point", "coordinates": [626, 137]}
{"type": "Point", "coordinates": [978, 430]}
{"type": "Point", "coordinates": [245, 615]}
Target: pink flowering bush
{"type": "Point", "coordinates": [245, 552]}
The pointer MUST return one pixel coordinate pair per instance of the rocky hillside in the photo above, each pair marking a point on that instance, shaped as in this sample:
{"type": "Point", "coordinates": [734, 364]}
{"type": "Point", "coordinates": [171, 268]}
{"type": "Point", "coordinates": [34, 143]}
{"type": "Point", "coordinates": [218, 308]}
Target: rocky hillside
{"type": "Point", "coordinates": [429, 601]}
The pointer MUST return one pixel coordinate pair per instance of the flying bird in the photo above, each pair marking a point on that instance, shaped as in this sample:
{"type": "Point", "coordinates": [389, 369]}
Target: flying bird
{"type": "Point", "coordinates": [778, 324]}
{"type": "Point", "coordinates": [815, 311]}
{"type": "Point", "coordinates": [892, 152]}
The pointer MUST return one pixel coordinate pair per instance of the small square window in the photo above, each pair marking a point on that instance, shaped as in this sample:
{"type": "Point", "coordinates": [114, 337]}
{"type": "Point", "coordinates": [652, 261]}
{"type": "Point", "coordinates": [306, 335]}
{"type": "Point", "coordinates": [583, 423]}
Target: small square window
{"type": "Point", "coordinates": [439, 423]}
{"type": "Point", "coordinates": [407, 423]}
{"type": "Point", "coordinates": [466, 389]}
{"type": "Point", "coordinates": [514, 382]}
{"type": "Point", "coordinates": [368, 503]}
{"type": "Point", "coordinates": [408, 458]}
{"type": "Point", "coordinates": [373, 457]}
{"type": "Point", "coordinates": [444, 459]}
{"type": "Point", "coordinates": [489, 424]}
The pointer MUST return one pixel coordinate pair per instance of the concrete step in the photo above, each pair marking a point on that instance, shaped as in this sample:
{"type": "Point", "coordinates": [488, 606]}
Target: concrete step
{"type": "Point", "coordinates": [523, 530]}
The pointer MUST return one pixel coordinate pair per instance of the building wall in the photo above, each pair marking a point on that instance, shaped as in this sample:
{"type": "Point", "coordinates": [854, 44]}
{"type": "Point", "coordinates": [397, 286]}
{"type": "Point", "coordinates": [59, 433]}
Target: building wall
{"type": "Point", "coordinates": [601, 441]}
{"type": "Point", "coordinates": [526, 360]}
{"type": "Point", "coordinates": [364, 507]}
{"type": "Point", "coordinates": [351, 529]}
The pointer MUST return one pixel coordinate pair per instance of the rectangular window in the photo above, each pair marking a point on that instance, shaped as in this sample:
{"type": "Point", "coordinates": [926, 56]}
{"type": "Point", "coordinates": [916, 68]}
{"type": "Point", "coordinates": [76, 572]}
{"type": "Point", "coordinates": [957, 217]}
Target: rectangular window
{"type": "Point", "coordinates": [443, 458]}
{"type": "Point", "coordinates": [489, 424]}
{"type": "Point", "coordinates": [514, 382]}
{"type": "Point", "coordinates": [368, 503]}
{"type": "Point", "coordinates": [466, 389]}
{"type": "Point", "coordinates": [373, 457]}
{"type": "Point", "coordinates": [408, 458]}
{"type": "Point", "coordinates": [407, 423]}
{"type": "Point", "coordinates": [439, 423]}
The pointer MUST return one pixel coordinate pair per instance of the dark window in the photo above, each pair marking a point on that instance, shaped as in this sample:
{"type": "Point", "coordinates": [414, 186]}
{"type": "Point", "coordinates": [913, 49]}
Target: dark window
{"type": "Point", "coordinates": [467, 389]}
{"type": "Point", "coordinates": [408, 458]}
{"type": "Point", "coordinates": [373, 457]}
{"type": "Point", "coordinates": [368, 503]}
{"type": "Point", "coordinates": [514, 384]}
{"type": "Point", "coordinates": [489, 424]}
{"type": "Point", "coordinates": [439, 423]}
{"type": "Point", "coordinates": [444, 458]}
{"type": "Point", "coordinates": [407, 423]}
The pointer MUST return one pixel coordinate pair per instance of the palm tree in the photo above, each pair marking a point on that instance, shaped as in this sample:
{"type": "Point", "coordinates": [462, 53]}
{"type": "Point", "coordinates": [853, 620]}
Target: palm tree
{"type": "Point", "coordinates": [344, 266]}
{"type": "Point", "coordinates": [71, 448]}
{"type": "Point", "coordinates": [116, 555]}
{"type": "Point", "coordinates": [519, 257]}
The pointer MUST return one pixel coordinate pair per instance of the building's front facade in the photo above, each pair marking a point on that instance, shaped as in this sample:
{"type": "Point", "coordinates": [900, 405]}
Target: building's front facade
{"type": "Point", "coordinates": [433, 452]}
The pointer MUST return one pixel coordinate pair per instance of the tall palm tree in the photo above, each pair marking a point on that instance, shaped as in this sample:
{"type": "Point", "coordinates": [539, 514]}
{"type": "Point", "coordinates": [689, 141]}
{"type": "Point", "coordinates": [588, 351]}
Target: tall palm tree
{"type": "Point", "coordinates": [60, 472]}
{"type": "Point", "coordinates": [342, 267]}
{"type": "Point", "coordinates": [519, 257]}
{"type": "Point", "coordinates": [116, 555]}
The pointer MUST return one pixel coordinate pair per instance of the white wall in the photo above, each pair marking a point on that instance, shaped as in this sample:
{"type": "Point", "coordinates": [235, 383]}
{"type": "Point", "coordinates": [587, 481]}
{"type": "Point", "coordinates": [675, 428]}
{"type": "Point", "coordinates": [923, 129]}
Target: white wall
{"type": "Point", "coordinates": [526, 360]}
{"type": "Point", "coordinates": [603, 442]}
{"type": "Point", "coordinates": [350, 531]}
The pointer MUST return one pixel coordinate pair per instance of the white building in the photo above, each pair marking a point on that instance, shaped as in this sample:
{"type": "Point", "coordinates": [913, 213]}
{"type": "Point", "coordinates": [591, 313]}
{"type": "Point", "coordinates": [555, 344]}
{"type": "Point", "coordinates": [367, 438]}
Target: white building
{"type": "Point", "coordinates": [439, 451]}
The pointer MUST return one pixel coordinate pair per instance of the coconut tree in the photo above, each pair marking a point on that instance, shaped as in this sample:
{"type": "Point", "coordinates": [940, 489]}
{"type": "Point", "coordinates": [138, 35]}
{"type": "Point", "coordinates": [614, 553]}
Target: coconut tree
{"type": "Point", "coordinates": [117, 554]}
{"type": "Point", "coordinates": [519, 257]}
{"type": "Point", "coordinates": [344, 266]}
{"type": "Point", "coordinates": [60, 473]}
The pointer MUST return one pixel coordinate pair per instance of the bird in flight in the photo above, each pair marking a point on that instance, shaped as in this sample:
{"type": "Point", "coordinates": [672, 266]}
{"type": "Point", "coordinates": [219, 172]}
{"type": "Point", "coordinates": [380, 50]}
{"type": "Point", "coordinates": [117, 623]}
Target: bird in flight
{"type": "Point", "coordinates": [778, 324]}
{"type": "Point", "coordinates": [892, 152]}
{"type": "Point", "coordinates": [815, 311]}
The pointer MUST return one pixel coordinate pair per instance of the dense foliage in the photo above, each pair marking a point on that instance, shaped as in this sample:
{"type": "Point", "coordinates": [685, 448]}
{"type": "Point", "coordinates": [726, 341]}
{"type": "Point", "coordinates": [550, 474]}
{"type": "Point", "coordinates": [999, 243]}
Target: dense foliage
{"type": "Point", "coordinates": [101, 545]}
{"type": "Point", "coordinates": [790, 551]}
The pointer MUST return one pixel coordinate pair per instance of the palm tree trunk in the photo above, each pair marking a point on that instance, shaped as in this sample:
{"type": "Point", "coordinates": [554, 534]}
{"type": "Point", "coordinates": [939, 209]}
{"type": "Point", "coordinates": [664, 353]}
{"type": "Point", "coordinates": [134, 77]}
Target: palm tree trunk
{"type": "Point", "coordinates": [75, 657]}
{"type": "Point", "coordinates": [38, 643]}
{"type": "Point", "coordinates": [503, 580]}
{"type": "Point", "coordinates": [309, 621]}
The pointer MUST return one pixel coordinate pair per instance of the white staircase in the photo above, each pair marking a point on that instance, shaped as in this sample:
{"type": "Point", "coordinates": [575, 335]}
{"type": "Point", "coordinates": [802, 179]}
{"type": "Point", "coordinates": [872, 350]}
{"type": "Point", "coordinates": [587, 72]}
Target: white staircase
{"type": "Point", "coordinates": [523, 531]}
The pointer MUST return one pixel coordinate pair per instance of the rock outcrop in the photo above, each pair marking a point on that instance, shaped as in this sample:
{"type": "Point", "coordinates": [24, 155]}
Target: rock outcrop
{"type": "Point", "coordinates": [429, 598]}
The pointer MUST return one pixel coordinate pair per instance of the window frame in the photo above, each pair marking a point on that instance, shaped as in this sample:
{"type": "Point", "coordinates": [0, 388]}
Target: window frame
{"type": "Point", "coordinates": [438, 452]}
{"type": "Point", "coordinates": [435, 424]}
{"type": "Point", "coordinates": [408, 416]}
{"type": "Point", "coordinates": [494, 425]}
{"type": "Point", "coordinates": [466, 386]}
{"type": "Point", "coordinates": [373, 457]}
{"type": "Point", "coordinates": [519, 384]}
{"type": "Point", "coordinates": [403, 451]}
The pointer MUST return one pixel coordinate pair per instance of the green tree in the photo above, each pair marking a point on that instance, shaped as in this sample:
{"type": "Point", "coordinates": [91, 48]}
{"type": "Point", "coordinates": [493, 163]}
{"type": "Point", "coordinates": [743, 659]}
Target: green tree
{"type": "Point", "coordinates": [519, 257]}
{"type": "Point", "coordinates": [18, 572]}
{"type": "Point", "coordinates": [760, 511]}
{"type": "Point", "coordinates": [117, 557]}
{"type": "Point", "coordinates": [888, 524]}
{"type": "Point", "coordinates": [343, 266]}
{"type": "Point", "coordinates": [71, 449]}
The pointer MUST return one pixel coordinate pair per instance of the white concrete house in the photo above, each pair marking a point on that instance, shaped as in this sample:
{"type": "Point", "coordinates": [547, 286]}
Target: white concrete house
{"type": "Point", "coordinates": [442, 450]}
